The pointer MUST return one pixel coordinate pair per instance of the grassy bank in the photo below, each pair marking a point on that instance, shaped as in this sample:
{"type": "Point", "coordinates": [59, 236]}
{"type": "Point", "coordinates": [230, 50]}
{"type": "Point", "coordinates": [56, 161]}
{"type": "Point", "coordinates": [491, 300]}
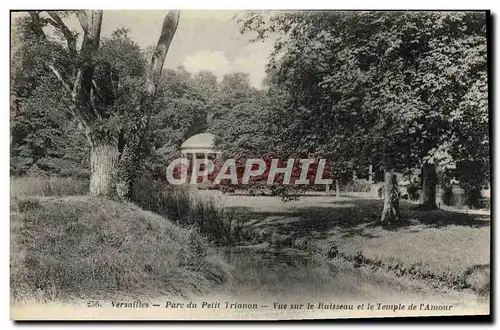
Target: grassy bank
{"type": "Point", "coordinates": [455, 256]}
{"type": "Point", "coordinates": [84, 247]}
{"type": "Point", "coordinates": [182, 205]}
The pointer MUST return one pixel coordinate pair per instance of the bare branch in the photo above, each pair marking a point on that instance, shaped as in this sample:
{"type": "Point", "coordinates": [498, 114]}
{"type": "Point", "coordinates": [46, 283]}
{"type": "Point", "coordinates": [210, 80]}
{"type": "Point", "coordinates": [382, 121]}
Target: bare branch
{"type": "Point", "coordinates": [37, 26]}
{"type": "Point", "coordinates": [58, 23]}
{"type": "Point", "coordinates": [66, 86]}
{"type": "Point", "coordinates": [93, 105]}
{"type": "Point", "coordinates": [82, 86]}
{"type": "Point", "coordinates": [83, 19]}
{"type": "Point", "coordinates": [76, 84]}
{"type": "Point", "coordinates": [94, 29]}
{"type": "Point", "coordinates": [168, 29]}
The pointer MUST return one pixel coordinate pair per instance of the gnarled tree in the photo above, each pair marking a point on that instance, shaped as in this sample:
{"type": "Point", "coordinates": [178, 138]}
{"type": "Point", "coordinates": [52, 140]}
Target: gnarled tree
{"type": "Point", "coordinates": [115, 145]}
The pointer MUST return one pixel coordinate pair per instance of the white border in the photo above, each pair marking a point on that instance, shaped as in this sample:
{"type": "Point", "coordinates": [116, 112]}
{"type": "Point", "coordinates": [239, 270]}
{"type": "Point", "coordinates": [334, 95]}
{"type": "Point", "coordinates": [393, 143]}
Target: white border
{"type": "Point", "coordinates": [255, 4]}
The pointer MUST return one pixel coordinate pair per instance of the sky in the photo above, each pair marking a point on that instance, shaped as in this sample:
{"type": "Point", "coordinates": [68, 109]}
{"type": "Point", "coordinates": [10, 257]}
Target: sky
{"type": "Point", "coordinates": [205, 40]}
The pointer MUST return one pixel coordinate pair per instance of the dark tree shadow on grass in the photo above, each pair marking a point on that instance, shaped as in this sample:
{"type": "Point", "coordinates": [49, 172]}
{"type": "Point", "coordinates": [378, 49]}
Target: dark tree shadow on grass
{"type": "Point", "coordinates": [440, 218]}
{"type": "Point", "coordinates": [357, 232]}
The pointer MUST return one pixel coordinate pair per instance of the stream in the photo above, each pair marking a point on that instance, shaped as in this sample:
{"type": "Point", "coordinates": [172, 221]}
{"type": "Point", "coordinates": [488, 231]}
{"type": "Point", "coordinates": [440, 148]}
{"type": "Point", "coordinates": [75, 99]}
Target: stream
{"type": "Point", "coordinates": [290, 276]}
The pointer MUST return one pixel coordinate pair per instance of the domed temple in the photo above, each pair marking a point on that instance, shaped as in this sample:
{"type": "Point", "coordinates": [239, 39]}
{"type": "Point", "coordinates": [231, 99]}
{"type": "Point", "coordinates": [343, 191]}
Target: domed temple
{"type": "Point", "coordinates": [199, 146]}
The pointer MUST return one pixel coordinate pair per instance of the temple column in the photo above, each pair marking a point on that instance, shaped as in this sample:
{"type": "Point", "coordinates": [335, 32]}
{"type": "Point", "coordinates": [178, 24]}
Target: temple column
{"type": "Point", "coordinates": [189, 171]}
{"type": "Point", "coordinates": [205, 177]}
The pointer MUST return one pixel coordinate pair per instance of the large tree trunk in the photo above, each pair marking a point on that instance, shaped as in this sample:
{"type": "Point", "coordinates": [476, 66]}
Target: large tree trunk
{"type": "Point", "coordinates": [429, 181]}
{"type": "Point", "coordinates": [390, 212]}
{"type": "Point", "coordinates": [103, 167]}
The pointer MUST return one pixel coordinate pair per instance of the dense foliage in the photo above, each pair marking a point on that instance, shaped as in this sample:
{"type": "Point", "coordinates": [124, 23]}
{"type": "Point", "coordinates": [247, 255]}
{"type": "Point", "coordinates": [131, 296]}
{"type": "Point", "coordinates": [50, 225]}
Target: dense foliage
{"type": "Point", "coordinates": [405, 88]}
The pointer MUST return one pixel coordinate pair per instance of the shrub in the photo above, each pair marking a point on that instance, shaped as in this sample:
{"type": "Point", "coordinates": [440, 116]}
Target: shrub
{"type": "Point", "coordinates": [472, 197]}
{"type": "Point", "coordinates": [484, 203]}
{"type": "Point", "coordinates": [172, 202]}
{"type": "Point", "coordinates": [86, 247]}
{"type": "Point", "coordinates": [285, 193]}
{"type": "Point", "coordinates": [186, 207]}
{"type": "Point", "coordinates": [478, 278]}
{"type": "Point", "coordinates": [413, 193]}
{"type": "Point", "coordinates": [305, 243]}
{"type": "Point", "coordinates": [280, 241]}
{"type": "Point", "coordinates": [358, 186]}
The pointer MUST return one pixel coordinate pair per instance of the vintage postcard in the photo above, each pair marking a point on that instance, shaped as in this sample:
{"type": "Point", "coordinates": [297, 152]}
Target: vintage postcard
{"type": "Point", "coordinates": [249, 165]}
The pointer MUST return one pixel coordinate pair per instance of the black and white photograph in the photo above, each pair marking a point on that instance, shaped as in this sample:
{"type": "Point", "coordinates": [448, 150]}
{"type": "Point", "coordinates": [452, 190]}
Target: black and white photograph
{"type": "Point", "coordinates": [250, 164]}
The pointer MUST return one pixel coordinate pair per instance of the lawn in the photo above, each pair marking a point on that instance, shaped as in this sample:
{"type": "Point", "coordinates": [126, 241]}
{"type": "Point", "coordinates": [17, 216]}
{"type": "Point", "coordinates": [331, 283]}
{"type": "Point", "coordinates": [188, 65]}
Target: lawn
{"type": "Point", "coordinates": [440, 245]}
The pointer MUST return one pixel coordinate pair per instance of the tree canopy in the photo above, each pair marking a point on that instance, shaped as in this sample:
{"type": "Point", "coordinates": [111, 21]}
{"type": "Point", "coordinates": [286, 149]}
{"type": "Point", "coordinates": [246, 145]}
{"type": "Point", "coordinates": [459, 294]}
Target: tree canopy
{"type": "Point", "coordinates": [365, 85]}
